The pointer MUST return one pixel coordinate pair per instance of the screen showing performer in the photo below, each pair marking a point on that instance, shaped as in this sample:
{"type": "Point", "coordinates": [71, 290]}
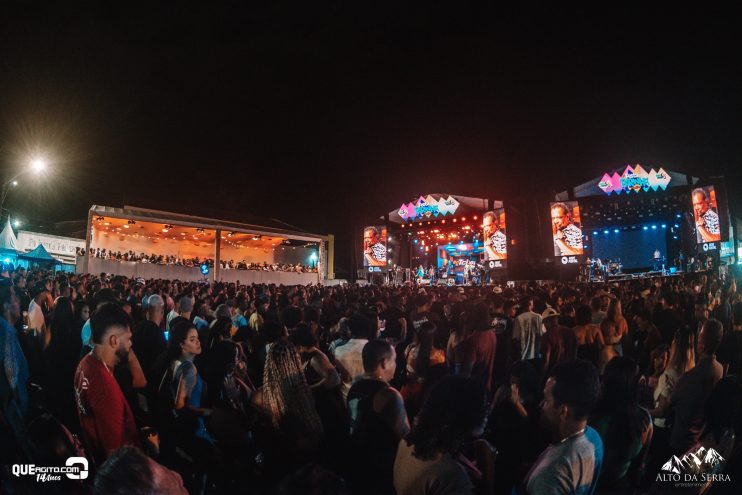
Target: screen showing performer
{"type": "Point", "coordinates": [494, 235]}
{"type": "Point", "coordinates": [706, 214]}
{"type": "Point", "coordinates": [374, 246]}
{"type": "Point", "coordinates": [566, 228]}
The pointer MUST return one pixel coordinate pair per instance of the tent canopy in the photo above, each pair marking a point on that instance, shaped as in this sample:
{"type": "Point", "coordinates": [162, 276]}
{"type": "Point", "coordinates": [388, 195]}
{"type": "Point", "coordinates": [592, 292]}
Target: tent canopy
{"type": "Point", "coordinates": [8, 241]}
{"type": "Point", "coordinates": [39, 255]}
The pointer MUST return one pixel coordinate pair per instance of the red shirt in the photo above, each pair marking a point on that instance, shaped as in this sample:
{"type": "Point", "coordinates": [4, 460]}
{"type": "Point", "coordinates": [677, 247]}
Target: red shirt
{"type": "Point", "coordinates": [105, 417]}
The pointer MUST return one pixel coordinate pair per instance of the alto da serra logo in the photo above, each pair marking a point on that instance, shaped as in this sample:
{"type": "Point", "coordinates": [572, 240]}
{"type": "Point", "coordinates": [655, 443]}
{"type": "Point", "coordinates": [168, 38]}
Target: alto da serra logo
{"type": "Point", "coordinates": [698, 468]}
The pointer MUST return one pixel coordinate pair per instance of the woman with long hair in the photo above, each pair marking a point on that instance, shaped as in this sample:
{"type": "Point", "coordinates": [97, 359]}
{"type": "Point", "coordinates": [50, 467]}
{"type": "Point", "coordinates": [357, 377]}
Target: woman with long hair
{"type": "Point", "coordinates": [452, 416]}
{"type": "Point", "coordinates": [295, 429]}
{"type": "Point", "coordinates": [589, 338]}
{"type": "Point", "coordinates": [60, 362]}
{"type": "Point", "coordinates": [624, 426]}
{"type": "Point", "coordinates": [614, 328]}
{"type": "Point", "coordinates": [420, 356]}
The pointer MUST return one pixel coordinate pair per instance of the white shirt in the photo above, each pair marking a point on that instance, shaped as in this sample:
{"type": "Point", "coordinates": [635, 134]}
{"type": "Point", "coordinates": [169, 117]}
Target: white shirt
{"type": "Point", "coordinates": [35, 316]}
{"type": "Point", "coordinates": [527, 331]}
{"type": "Point", "coordinates": [349, 357]}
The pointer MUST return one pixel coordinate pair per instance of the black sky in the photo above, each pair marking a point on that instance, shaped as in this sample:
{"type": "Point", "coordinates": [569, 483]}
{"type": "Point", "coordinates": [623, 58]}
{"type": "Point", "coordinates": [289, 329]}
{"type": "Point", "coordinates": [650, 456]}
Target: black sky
{"type": "Point", "coordinates": [326, 115]}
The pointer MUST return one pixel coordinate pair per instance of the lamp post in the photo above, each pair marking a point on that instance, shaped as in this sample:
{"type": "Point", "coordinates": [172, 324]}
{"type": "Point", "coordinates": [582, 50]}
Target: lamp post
{"type": "Point", "coordinates": [36, 166]}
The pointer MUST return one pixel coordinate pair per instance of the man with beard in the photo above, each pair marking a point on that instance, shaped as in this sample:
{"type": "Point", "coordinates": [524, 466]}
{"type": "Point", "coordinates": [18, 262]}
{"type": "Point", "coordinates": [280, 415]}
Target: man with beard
{"type": "Point", "coordinates": [106, 419]}
{"type": "Point", "coordinates": [572, 462]}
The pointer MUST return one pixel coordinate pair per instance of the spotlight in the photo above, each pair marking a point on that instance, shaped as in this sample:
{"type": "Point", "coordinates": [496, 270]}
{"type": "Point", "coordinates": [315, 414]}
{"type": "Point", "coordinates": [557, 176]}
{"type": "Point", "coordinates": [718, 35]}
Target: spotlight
{"type": "Point", "coordinates": [595, 232]}
{"type": "Point", "coordinates": [664, 226]}
{"type": "Point", "coordinates": [645, 228]}
{"type": "Point", "coordinates": [654, 227]}
{"type": "Point", "coordinates": [615, 231]}
{"type": "Point", "coordinates": [678, 215]}
{"type": "Point", "coordinates": [605, 231]}
{"type": "Point", "coordinates": [677, 226]}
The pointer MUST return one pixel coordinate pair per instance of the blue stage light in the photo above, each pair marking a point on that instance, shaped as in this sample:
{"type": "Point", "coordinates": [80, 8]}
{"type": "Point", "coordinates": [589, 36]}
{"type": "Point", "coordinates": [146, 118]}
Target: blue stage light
{"type": "Point", "coordinates": [415, 241]}
{"type": "Point", "coordinates": [664, 226]}
{"type": "Point", "coordinates": [678, 215]}
{"type": "Point", "coordinates": [654, 227]}
{"type": "Point", "coordinates": [595, 232]}
{"type": "Point", "coordinates": [645, 228]}
{"type": "Point", "coordinates": [615, 231]}
{"type": "Point", "coordinates": [605, 231]}
{"type": "Point", "coordinates": [677, 226]}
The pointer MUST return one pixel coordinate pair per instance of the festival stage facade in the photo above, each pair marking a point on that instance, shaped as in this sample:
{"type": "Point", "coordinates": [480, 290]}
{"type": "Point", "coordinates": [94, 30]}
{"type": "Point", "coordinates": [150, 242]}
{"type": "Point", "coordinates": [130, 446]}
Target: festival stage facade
{"type": "Point", "coordinates": [151, 244]}
{"type": "Point", "coordinates": [634, 221]}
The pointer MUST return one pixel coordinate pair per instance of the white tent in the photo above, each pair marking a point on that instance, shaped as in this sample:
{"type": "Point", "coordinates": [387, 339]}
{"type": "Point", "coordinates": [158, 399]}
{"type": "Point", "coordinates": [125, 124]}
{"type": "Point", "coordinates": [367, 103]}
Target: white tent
{"type": "Point", "coordinates": [8, 242]}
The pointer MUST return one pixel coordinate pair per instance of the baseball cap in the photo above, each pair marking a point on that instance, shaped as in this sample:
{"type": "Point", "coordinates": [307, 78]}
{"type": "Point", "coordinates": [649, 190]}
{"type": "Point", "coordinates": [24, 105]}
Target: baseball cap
{"type": "Point", "coordinates": [549, 312]}
{"type": "Point", "coordinates": [497, 290]}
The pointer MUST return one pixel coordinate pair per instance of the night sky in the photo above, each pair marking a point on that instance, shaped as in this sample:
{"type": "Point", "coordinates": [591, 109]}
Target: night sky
{"type": "Point", "coordinates": [326, 115]}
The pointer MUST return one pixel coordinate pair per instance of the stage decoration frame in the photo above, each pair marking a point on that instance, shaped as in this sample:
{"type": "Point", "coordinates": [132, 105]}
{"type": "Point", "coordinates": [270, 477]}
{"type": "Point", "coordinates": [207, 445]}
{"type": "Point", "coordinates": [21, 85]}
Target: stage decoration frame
{"type": "Point", "coordinates": [427, 207]}
{"type": "Point", "coordinates": [634, 179]}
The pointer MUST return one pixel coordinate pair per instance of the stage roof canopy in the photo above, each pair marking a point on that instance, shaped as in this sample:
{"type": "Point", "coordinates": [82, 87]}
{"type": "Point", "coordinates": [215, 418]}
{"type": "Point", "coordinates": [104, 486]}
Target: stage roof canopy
{"type": "Point", "coordinates": [118, 219]}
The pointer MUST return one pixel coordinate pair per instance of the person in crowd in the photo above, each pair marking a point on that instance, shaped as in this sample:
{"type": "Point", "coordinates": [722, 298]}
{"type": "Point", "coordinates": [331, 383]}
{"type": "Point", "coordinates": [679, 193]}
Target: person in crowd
{"type": "Point", "coordinates": [572, 462]}
{"type": "Point", "coordinates": [149, 340]}
{"type": "Point", "coordinates": [694, 387]}
{"type": "Point", "coordinates": [348, 357]}
{"type": "Point", "coordinates": [427, 460]}
{"type": "Point", "coordinates": [598, 315]}
{"type": "Point", "coordinates": [588, 337]}
{"type": "Point", "coordinates": [651, 378]}
{"type": "Point", "coordinates": [295, 428]}
{"type": "Point", "coordinates": [646, 336]}
{"type": "Point", "coordinates": [105, 417]}
{"type": "Point", "coordinates": [60, 359]}
{"type": "Point", "coordinates": [730, 350]}
{"type": "Point", "coordinates": [558, 344]}
{"type": "Point", "coordinates": [14, 399]}
{"type": "Point", "coordinates": [513, 426]}
{"type": "Point", "coordinates": [527, 331]}
{"type": "Point", "coordinates": [324, 382]}
{"type": "Point", "coordinates": [420, 356]}
{"type": "Point", "coordinates": [479, 348]}
{"type": "Point", "coordinates": [668, 319]}
{"type": "Point", "coordinates": [129, 471]}
{"type": "Point", "coordinates": [624, 426]}
{"type": "Point", "coordinates": [378, 421]}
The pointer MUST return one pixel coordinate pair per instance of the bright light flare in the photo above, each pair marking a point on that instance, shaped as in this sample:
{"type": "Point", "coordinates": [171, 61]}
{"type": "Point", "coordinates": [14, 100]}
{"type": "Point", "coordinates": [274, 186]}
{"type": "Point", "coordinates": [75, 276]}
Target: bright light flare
{"type": "Point", "coordinates": [38, 165]}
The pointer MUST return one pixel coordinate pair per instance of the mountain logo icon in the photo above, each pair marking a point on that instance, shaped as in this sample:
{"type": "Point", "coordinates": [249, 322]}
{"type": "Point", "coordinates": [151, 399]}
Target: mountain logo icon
{"type": "Point", "coordinates": [692, 461]}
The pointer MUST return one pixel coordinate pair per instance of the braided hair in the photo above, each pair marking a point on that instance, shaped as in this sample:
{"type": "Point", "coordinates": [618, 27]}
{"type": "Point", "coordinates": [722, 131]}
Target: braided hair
{"type": "Point", "coordinates": [285, 388]}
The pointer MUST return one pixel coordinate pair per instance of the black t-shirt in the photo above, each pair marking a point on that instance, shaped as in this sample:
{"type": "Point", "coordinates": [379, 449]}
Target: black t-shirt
{"type": "Point", "coordinates": [148, 343]}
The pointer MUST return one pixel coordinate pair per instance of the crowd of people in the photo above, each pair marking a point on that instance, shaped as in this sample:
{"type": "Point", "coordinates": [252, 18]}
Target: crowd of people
{"type": "Point", "coordinates": [161, 259]}
{"type": "Point", "coordinates": [175, 387]}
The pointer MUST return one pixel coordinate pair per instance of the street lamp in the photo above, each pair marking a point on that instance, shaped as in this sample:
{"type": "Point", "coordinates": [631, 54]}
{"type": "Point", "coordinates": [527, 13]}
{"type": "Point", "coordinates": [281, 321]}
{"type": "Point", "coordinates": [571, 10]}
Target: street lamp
{"type": "Point", "coordinates": [37, 166]}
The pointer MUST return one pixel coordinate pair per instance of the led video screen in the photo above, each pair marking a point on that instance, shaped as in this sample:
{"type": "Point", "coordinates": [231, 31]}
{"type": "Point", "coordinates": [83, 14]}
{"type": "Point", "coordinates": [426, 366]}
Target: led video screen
{"type": "Point", "coordinates": [706, 215]}
{"type": "Point", "coordinates": [566, 228]}
{"type": "Point", "coordinates": [374, 246]}
{"type": "Point", "coordinates": [494, 235]}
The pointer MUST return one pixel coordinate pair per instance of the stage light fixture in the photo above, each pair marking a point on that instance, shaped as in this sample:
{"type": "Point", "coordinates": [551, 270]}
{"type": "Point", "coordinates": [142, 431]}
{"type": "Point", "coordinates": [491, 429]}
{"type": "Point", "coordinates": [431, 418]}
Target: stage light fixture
{"type": "Point", "coordinates": [664, 226]}
{"type": "Point", "coordinates": [677, 226]}
{"type": "Point", "coordinates": [615, 231]}
{"type": "Point", "coordinates": [678, 215]}
{"type": "Point", "coordinates": [595, 232]}
{"type": "Point", "coordinates": [605, 232]}
{"type": "Point", "coordinates": [654, 227]}
{"type": "Point", "coordinates": [645, 228]}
